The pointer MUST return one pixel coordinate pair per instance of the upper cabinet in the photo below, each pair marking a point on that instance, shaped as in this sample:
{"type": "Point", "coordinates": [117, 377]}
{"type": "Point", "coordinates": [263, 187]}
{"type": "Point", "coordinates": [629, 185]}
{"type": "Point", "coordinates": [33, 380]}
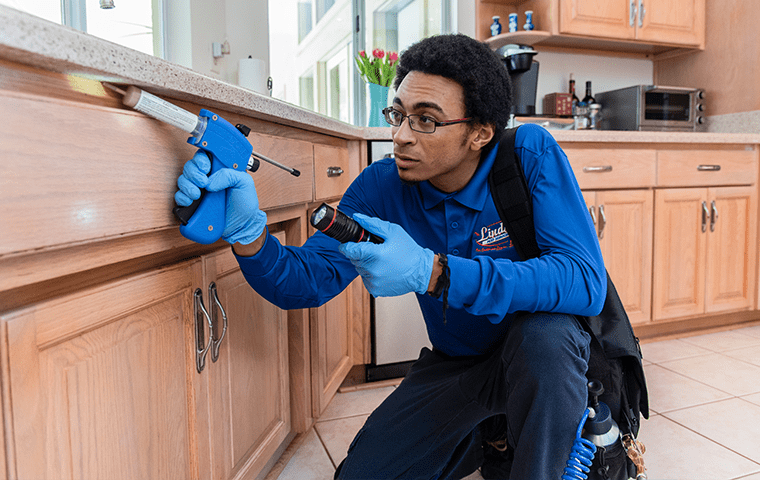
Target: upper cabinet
{"type": "Point", "coordinates": [639, 26]}
{"type": "Point", "coordinates": [678, 22]}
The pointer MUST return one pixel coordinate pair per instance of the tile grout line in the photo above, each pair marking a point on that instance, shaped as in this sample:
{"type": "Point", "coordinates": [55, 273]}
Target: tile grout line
{"type": "Point", "coordinates": [324, 446]}
{"type": "Point", "coordinates": [351, 416]}
{"type": "Point", "coordinates": [756, 462]}
{"type": "Point", "coordinates": [700, 381]}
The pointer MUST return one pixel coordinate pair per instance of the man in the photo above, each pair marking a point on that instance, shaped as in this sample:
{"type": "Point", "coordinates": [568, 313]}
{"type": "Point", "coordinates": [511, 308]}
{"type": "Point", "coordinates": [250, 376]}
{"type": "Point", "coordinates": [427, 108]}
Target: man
{"type": "Point", "coordinates": [499, 350]}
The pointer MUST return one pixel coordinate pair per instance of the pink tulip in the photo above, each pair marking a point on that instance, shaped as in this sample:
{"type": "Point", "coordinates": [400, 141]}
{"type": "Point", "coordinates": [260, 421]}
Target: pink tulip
{"type": "Point", "coordinates": [378, 53]}
{"type": "Point", "coordinates": [393, 57]}
{"type": "Point", "coordinates": [363, 54]}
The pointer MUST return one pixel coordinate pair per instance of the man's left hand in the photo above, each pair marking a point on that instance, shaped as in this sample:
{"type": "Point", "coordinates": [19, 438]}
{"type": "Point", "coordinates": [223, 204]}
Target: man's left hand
{"type": "Point", "coordinates": [395, 267]}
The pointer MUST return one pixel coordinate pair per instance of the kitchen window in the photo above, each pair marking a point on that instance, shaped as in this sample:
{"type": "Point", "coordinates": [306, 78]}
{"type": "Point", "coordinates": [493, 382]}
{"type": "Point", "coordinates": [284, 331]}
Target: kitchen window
{"type": "Point", "coordinates": [136, 24]}
{"type": "Point", "coordinates": [313, 44]}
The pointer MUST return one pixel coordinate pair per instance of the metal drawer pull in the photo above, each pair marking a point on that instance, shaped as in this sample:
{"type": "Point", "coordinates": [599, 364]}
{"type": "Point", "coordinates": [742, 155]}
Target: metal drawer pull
{"type": "Point", "coordinates": [592, 212]}
{"type": "Point", "coordinates": [216, 343]}
{"type": "Point", "coordinates": [713, 215]}
{"type": "Point", "coordinates": [334, 171]}
{"type": "Point", "coordinates": [602, 221]}
{"type": "Point", "coordinates": [705, 213]}
{"type": "Point", "coordinates": [708, 168]}
{"type": "Point", "coordinates": [632, 13]}
{"type": "Point", "coordinates": [603, 168]}
{"type": "Point", "coordinates": [201, 347]}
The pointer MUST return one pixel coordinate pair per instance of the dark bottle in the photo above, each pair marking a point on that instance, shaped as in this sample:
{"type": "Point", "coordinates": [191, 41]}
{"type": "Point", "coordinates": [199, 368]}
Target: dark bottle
{"type": "Point", "coordinates": [588, 99]}
{"type": "Point", "coordinates": [574, 97]}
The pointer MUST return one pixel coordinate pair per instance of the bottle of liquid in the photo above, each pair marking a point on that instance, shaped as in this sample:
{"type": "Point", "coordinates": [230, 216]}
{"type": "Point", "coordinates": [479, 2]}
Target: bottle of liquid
{"type": "Point", "coordinates": [588, 99]}
{"type": "Point", "coordinates": [495, 26]}
{"type": "Point", "coordinates": [574, 99]}
{"type": "Point", "coordinates": [602, 430]}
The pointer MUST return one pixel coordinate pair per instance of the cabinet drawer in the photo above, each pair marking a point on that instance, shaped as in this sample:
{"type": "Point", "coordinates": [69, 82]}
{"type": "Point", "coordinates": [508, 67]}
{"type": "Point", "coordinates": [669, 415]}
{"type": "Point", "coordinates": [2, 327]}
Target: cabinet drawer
{"type": "Point", "coordinates": [331, 173]}
{"type": "Point", "coordinates": [600, 168]}
{"type": "Point", "coordinates": [691, 168]}
{"type": "Point", "coordinates": [274, 186]}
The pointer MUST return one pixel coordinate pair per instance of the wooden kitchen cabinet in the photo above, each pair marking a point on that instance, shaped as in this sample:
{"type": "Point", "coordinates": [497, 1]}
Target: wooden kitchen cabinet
{"type": "Point", "coordinates": [623, 220]}
{"type": "Point", "coordinates": [247, 369]}
{"type": "Point", "coordinates": [705, 250]}
{"type": "Point", "coordinates": [678, 22]}
{"type": "Point", "coordinates": [638, 26]}
{"type": "Point", "coordinates": [103, 381]}
{"type": "Point", "coordinates": [332, 329]}
{"type": "Point", "coordinates": [332, 344]}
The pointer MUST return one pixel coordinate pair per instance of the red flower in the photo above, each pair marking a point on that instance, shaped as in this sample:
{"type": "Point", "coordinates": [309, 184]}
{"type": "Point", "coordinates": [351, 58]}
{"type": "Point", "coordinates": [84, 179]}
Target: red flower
{"type": "Point", "coordinates": [392, 57]}
{"type": "Point", "coordinates": [363, 54]}
{"type": "Point", "coordinates": [378, 53]}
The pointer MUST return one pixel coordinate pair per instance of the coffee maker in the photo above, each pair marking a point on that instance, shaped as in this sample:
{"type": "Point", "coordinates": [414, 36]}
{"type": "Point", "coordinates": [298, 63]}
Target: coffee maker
{"type": "Point", "coordinates": [523, 71]}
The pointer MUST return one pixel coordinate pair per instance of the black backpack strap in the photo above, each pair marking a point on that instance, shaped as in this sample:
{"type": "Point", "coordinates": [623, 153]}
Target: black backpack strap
{"type": "Point", "coordinates": [512, 198]}
{"type": "Point", "coordinates": [611, 329]}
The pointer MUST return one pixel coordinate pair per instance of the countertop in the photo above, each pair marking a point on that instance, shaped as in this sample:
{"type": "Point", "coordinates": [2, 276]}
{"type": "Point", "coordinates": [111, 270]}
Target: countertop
{"type": "Point", "coordinates": [30, 40]}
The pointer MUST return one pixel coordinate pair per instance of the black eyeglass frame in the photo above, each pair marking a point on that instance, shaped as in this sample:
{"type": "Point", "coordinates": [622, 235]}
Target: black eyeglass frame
{"type": "Point", "coordinates": [436, 123]}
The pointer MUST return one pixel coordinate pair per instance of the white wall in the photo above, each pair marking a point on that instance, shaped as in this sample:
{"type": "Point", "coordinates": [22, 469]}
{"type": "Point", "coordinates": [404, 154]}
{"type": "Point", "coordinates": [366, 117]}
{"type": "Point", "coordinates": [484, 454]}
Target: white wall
{"type": "Point", "coordinates": [247, 32]}
{"type": "Point", "coordinates": [604, 72]}
{"type": "Point", "coordinates": [193, 25]}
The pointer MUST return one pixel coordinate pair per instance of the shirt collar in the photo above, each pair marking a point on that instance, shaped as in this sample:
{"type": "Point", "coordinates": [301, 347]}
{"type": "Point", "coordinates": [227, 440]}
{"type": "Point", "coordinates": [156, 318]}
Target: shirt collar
{"type": "Point", "coordinates": [473, 195]}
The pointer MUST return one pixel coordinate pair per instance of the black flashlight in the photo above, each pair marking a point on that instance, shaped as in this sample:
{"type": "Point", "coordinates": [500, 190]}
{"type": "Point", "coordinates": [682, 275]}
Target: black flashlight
{"type": "Point", "coordinates": [336, 224]}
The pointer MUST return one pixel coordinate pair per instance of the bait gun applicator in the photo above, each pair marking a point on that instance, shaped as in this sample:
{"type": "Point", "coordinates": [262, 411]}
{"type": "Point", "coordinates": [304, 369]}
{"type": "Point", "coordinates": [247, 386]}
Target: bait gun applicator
{"type": "Point", "coordinates": [226, 146]}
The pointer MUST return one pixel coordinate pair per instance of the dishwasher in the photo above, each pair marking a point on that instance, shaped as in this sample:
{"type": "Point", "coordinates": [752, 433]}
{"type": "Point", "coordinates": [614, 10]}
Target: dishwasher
{"type": "Point", "coordinates": [398, 329]}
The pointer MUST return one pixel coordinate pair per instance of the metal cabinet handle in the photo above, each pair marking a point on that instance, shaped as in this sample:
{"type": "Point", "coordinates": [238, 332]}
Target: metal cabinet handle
{"type": "Point", "coordinates": [602, 168]}
{"type": "Point", "coordinates": [708, 168]}
{"type": "Point", "coordinates": [201, 347]}
{"type": "Point", "coordinates": [642, 12]}
{"type": "Point", "coordinates": [602, 221]}
{"type": "Point", "coordinates": [705, 213]}
{"type": "Point", "coordinates": [632, 13]}
{"type": "Point", "coordinates": [334, 171]}
{"type": "Point", "coordinates": [713, 215]}
{"type": "Point", "coordinates": [592, 212]}
{"type": "Point", "coordinates": [216, 343]}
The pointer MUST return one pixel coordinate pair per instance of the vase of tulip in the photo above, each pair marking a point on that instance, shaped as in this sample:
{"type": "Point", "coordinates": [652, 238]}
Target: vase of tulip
{"type": "Point", "coordinates": [379, 72]}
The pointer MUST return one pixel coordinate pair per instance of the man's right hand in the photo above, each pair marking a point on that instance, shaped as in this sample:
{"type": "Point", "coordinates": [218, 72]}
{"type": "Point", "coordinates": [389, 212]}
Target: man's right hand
{"type": "Point", "coordinates": [244, 221]}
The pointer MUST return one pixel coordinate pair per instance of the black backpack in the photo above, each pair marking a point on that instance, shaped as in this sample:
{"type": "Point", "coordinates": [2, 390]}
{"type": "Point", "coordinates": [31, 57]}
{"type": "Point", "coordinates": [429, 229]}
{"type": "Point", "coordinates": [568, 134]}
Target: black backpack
{"type": "Point", "coordinates": [615, 353]}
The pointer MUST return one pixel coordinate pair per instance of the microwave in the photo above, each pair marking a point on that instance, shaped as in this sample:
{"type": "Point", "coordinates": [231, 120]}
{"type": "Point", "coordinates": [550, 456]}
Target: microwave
{"type": "Point", "coordinates": [652, 108]}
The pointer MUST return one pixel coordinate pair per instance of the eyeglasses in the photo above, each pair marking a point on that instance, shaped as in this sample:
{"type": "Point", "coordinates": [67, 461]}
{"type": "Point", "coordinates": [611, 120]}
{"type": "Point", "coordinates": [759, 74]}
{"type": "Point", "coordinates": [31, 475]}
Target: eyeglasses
{"type": "Point", "coordinates": [418, 123]}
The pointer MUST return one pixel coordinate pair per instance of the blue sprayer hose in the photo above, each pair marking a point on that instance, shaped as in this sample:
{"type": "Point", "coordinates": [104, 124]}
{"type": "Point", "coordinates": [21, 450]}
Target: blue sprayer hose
{"type": "Point", "coordinates": [582, 454]}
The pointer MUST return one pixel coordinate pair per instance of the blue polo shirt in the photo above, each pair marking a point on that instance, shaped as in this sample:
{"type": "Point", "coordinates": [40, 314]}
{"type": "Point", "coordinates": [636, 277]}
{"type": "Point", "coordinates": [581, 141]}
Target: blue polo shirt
{"type": "Point", "coordinates": [488, 282]}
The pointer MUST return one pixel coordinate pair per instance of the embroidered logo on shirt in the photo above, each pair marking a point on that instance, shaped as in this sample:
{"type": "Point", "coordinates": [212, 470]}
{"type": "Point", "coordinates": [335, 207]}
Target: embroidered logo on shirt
{"type": "Point", "coordinates": [492, 237]}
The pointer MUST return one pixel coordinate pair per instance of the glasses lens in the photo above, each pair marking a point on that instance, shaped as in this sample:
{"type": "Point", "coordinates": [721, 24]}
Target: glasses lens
{"type": "Point", "coordinates": [393, 117]}
{"type": "Point", "coordinates": [421, 123]}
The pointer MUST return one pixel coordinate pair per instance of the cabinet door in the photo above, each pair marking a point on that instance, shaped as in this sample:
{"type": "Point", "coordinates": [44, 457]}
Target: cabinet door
{"type": "Point", "coordinates": [331, 337]}
{"type": "Point", "coordinates": [731, 249]}
{"type": "Point", "coordinates": [103, 381]}
{"type": "Point", "coordinates": [625, 236]}
{"type": "Point", "coordinates": [680, 22]}
{"type": "Point", "coordinates": [249, 382]}
{"type": "Point", "coordinates": [679, 252]}
{"type": "Point", "coordinates": [597, 18]}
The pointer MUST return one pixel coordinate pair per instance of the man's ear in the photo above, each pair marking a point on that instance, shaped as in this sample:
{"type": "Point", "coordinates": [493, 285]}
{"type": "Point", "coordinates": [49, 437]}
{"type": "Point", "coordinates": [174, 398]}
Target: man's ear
{"type": "Point", "coordinates": [481, 135]}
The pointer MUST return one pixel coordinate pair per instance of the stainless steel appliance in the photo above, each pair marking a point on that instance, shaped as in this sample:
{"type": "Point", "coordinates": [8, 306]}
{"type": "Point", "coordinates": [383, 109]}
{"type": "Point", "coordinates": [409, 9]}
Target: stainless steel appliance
{"type": "Point", "coordinates": [398, 329]}
{"type": "Point", "coordinates": [651, 108]}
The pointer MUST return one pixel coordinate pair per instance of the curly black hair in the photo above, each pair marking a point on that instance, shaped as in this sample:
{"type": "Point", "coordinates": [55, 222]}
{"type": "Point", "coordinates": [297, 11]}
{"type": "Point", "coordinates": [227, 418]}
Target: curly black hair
{"type": "Point", "coordinates": [470, 63]}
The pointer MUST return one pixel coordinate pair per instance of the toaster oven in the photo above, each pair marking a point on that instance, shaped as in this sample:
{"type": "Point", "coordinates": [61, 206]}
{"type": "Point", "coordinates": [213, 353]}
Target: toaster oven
{"type": "Point", "coordinates": [652, 108]}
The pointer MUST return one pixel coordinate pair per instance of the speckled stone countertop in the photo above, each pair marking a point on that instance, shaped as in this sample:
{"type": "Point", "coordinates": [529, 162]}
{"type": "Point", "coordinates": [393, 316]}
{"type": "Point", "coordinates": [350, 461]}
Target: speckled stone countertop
{"type": "Point", "coordinates": [30, 40]}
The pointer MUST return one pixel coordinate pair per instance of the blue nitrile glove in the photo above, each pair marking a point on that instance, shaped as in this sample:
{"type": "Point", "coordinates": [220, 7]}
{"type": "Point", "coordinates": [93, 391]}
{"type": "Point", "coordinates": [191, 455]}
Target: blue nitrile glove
{"type": "Point", "coordinates": [244, 222]}
{"type": "Point", "coordinates": [395, 267]}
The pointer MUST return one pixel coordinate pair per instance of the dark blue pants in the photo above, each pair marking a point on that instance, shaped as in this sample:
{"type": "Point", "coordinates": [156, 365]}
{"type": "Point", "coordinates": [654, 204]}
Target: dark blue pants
{"type": "Point", "coordinates": [428, 428]}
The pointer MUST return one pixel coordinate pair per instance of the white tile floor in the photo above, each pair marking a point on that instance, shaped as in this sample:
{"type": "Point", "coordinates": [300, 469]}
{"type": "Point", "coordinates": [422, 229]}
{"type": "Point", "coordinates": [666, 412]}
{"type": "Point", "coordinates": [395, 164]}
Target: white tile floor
{"type": "Point", "coordinates": [705, 423]}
